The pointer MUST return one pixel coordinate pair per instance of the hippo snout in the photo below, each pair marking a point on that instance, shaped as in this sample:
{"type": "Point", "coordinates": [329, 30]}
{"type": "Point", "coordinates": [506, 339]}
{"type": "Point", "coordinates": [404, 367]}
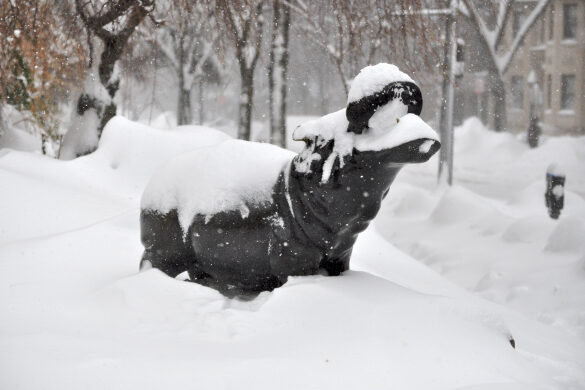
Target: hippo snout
{"type": "Point", "coordinates": [416, 151]}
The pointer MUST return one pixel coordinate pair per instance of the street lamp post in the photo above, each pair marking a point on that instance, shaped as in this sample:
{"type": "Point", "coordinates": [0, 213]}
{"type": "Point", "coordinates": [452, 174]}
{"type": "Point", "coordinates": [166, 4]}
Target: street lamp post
{"type": "Point", "coordinates": [448, 94]}
{"type": "Point", "coordinates": [446, 121]}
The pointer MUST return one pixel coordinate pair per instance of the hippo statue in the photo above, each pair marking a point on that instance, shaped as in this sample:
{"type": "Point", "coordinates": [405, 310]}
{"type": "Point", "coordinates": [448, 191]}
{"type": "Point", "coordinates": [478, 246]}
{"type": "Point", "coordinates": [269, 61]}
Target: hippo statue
{"type": "Point", "coordinates": [242, 217]}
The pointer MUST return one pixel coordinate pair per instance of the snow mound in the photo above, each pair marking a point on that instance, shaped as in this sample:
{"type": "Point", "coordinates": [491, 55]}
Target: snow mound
{"type": "Point", "coordinates": [229, 176]}
{"type": "Point", "coordinates": [17, 139]}
{"type": "Point", "coordinates": [533, 229]}
{"type": "Point", "coordinates": [16, 131]}
{"type": "Point", "coordinates": [77, 314]}
{"type": "Point", "coordinates": [374, 78]}
{"type": "Point", "coordinates": [458, 205]}
{"type": "Point", "coordinates": [568, 235]}
{"type": "Point", "coordinates": [128, 155]}
{"type": "Point", "coordinates": [130, 145]}
{"type": "Point", "coordinates": [130, 152]}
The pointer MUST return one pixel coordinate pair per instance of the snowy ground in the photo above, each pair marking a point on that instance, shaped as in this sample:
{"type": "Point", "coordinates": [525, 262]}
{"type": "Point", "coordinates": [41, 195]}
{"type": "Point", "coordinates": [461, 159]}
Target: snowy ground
{"type": "Point", "coordinates": [472, 266]}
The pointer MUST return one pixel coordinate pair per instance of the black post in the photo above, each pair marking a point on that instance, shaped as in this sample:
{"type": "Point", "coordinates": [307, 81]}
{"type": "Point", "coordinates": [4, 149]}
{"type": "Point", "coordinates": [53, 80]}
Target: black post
{"type": "Point", "coordinates": [554, 196]}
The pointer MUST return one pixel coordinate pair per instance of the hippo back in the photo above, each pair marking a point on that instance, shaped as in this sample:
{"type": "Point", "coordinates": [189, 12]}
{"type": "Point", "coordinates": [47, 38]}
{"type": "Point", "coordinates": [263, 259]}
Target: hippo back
{"type": "Point", "coordinates": [231, 176]}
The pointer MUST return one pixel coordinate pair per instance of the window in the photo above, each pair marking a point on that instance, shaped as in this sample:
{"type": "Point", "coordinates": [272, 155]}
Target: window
{"type": "Point", "coordinates": [549, 91]}
{"type": "Point", "coordinates": [551, 23]}
{"type": "Point", "coordinates": [568, 92]}
{"type": "Point", "coordinates": [569, 21]}
{"type": "Point", "coordinates": [517, 88]}
{"type": "Point", "coordinates": [542, 32]}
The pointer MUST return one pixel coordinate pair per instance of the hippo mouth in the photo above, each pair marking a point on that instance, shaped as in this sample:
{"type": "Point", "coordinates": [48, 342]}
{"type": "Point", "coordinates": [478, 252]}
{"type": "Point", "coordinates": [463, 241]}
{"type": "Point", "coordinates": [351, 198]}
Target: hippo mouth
{"type": "Point", "coordinates": [415, 151]}
{"type": "Point", "coordinates": [409, 140]}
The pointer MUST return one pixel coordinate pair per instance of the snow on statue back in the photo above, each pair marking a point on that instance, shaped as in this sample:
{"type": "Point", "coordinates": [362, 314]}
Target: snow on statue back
{"type": "Point", "coordinates": [233, 175]}
{"type": "Point", "coordinates": [241, 217]}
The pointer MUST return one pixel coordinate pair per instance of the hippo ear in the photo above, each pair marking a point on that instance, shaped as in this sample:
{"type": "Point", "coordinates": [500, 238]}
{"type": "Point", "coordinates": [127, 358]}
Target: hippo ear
{"type": "Point", "coordinates": [308, 140]}
{"type": "Point", "coordinates": [412, 97]}
{"type": "Point", "coordinates": [359, 112]}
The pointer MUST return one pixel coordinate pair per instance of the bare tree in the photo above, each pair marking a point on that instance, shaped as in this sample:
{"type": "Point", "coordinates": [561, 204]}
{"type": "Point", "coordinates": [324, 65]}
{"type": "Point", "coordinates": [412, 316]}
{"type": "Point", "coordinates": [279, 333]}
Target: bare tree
{"type": "Point", "coordinates": [358, 33]}
{"type": "Point", "coordinates": [277, 71]}
{"type": "Point", "coordinates": [245, 27]}
{"type": "Point", "coordinates": [492, 36]}
{"type": "Point", "coordinates": [42, 57]}
{"type": "Point", "coordinates": [111, 22]}
{"type": "Point", "coordinates": [187, 40]}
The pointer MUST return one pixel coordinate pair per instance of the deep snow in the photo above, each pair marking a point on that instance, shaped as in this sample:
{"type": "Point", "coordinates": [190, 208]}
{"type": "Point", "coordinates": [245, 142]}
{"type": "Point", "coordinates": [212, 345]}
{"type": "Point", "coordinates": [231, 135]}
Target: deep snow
{"type": "Point", "coordinates": [77, 314]}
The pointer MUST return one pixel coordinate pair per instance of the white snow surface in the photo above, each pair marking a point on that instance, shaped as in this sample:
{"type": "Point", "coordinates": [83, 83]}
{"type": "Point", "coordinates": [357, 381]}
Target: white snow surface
{"type": "Point", "coordinates": [555, 169]}
{"type": "Point", "coordinates": [472, 265]}
{"type": "Point", "coordinates": [232, 175]}
{"type": "Point", "coordinates": [374, 78]}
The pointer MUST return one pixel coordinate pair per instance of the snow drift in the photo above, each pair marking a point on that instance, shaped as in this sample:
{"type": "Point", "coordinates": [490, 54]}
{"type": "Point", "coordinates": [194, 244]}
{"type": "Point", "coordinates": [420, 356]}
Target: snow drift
{"type": "Point", "coordinates": [75, 313]}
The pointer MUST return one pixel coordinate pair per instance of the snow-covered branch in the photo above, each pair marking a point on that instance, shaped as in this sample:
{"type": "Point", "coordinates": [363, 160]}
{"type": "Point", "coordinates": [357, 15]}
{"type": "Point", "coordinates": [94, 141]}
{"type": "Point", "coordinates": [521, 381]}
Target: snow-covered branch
{"type": "Point", "coordinates": [492, 38]}
{"type": "Point", "coordinates": [505, 59]}
{"type": "Point", "coordinates": [505, 6]}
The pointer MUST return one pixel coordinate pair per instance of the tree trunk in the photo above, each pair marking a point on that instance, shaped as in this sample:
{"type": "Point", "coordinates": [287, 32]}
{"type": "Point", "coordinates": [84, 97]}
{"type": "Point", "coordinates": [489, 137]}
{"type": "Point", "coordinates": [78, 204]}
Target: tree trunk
{"type": "Point", "coordinates": [2, 127]}
{"type": "Point", "coordinates": [246, 98]}
{"type": "Point", "coordinates": [201, 102]}
{"type": "Point", "coordinates": [110, 80]}
{"type": "Point", "coordinates": [184, 110]}
{"type": "Point", "coordinates": [499, 94]}
{"type": "Point", "coordinates": [128, 15]}
{"type": "Point", "coordinates": [105, 110]}
{"type": "Point", "coordinates": [444, 154]}
{"type": "Point", "coordinates": [184, 101]}
{"type": "Point", "coordinates": [277, 73]}
{"type": "Point", "coordinates": [498, 91]}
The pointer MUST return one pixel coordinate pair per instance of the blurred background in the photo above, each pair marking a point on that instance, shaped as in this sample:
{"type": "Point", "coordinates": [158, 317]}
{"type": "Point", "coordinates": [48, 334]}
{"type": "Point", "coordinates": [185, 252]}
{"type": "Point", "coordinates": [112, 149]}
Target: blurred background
{"type": "Point", "coordinates": [69, 66]}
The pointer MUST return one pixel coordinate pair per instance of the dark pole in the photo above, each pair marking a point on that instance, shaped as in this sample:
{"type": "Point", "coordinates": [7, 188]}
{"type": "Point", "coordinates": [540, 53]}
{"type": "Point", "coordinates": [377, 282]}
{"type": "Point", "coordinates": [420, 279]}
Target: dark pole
{"type": "Point", "coordinates": [446, 121]}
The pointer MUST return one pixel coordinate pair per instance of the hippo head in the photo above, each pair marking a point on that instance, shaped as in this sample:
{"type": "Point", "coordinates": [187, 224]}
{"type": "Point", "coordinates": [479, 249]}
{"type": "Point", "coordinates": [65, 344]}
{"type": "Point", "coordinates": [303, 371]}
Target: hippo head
{"type": "Point", "coordinates": [381, 126]}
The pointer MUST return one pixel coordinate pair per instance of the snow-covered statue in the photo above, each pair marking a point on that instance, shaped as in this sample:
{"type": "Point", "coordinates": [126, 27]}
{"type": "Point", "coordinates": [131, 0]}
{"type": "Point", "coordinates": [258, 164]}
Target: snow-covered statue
{"type": "Point", "coordinates": [242, 217]}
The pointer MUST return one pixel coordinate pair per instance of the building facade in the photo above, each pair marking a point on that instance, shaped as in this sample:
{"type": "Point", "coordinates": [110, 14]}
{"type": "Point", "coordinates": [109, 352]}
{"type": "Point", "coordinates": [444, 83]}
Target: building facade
{"type": "Point", "coordinates": [546, 78]}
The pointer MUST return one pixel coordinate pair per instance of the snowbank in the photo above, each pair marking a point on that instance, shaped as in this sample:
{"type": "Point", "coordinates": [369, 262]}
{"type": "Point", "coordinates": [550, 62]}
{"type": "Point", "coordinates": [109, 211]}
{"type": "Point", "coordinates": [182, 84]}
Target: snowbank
{"type": "Point", "coordinates": [106, 183]}
{"type": "Point", "coordinates": [134, 151]}
{"type": "Point", "coordinates": [76, 314]}
{"type": "Point", "coordinates": [16, 139]}
{"type": "Point", "coordinates": [14, 133]}
{"type": "Point", "coordinates": [490, 232]}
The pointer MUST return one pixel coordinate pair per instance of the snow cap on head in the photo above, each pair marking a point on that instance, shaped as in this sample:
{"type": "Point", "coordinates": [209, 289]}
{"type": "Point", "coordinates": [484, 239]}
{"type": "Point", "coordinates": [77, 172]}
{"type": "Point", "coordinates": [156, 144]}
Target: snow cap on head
{"type": "Point", "coordinates": [374, 87]}
{"type": "Point", "coordinates": [555, 169]}
{"type": "Point", "coordinates": [374, 78]}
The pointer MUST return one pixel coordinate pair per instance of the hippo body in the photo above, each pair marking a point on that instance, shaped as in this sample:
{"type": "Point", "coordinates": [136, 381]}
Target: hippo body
{"type": "Point", "coordinates": [321, 199]}
{"type": "Point", "coordinates": [307, 228]}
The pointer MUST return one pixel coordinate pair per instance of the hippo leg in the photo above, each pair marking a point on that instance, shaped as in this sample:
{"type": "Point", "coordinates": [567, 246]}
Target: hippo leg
{"type": "Point", "coordinates": [166, 262]}
{"type": "Point", "coordinates": [165, 248]}
{"type": "Point", "coordinates": [334, 266]}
